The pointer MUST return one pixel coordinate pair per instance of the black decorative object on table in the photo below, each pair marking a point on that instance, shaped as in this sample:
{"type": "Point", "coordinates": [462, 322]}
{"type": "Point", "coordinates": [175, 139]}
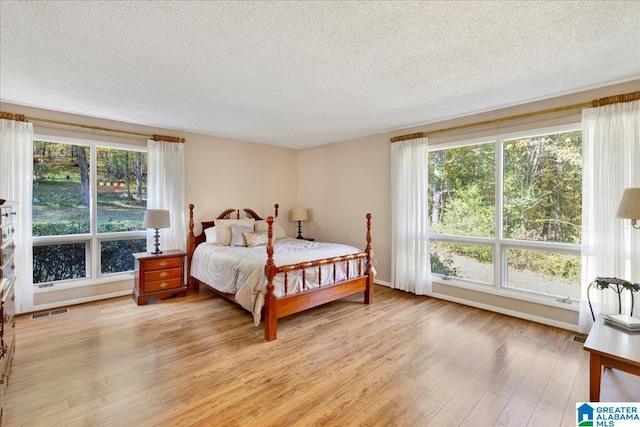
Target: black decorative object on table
{"type": "Point", "coordinates": [616, 285]}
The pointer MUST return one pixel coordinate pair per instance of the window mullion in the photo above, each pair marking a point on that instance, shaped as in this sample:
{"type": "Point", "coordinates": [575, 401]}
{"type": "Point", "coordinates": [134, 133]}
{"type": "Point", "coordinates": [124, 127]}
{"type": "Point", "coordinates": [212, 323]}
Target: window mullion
{"type": "Point", "coordinates": [499, 261]}
{"type": "Point", "coordinates": [94, 256]}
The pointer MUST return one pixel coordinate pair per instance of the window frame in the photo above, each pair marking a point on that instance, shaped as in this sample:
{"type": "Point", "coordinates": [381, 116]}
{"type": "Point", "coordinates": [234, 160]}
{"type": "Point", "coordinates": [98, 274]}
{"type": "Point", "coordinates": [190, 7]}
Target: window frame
{"type": "Point", "coordinates": [502, 245]}
{"type": "Point", "coordinates": [93, 239]}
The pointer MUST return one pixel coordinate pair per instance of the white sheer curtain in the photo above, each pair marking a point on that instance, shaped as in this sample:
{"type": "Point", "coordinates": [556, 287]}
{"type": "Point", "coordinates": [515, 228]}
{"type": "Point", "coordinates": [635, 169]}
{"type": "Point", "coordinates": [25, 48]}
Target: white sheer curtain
{"type": "Point", "coordinates": [165, 190]}
{"type": "Point", "coordinates": [16, 166]}
{"type": "Point", "coordinates": [410, 262]}
{"type": "Point", "coordinates": [611, 163]}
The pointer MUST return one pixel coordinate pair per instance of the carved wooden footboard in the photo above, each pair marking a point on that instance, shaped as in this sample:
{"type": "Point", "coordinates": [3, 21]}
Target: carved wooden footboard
{"type": "Point", "coordinates": [278, 307]}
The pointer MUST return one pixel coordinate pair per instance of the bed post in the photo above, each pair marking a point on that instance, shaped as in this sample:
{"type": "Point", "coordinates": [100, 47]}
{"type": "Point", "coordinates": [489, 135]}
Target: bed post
{"type": "Point", "coordinates": [270, 301]}
{"type": "Point", "coordinates": [368, 293]}
{"type": "Point", "coordinates": [191, 246]}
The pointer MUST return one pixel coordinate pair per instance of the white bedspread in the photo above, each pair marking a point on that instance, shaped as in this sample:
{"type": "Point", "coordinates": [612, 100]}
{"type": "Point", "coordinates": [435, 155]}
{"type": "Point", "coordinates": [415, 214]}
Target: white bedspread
{"type": "Point", "coordinates": [240, 270]}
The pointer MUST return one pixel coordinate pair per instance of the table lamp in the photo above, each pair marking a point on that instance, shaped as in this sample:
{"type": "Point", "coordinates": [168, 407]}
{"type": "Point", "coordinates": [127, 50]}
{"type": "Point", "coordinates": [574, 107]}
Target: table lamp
{"type": "Point", "coordinates": [156, 219]}
{"type": "Point", "coordinates": [630, 206]}
{"type": "Point", "coordinates": [299, 214]}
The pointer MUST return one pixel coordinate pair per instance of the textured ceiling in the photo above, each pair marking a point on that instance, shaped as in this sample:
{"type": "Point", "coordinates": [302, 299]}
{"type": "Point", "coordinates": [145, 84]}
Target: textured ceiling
{"type": "Point", "coordinates": [301, 74]}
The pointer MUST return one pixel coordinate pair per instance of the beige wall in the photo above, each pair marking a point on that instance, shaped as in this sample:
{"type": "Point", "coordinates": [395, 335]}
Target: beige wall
{"type": "Point", "coordinates": [223, 174]}
{"type": "Point", "coordinates": [340, 182]}
{"type": "Point", "coordinates": [220, 174]}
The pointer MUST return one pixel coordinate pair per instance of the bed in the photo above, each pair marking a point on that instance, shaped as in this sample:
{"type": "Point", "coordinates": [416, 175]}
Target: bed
{"type": "Point", "coordinates": [281, 277]}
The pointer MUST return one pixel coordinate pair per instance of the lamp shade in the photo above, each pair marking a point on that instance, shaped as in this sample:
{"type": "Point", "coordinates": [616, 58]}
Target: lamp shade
{"type": "Point", "coordinates": [299, 214]}
{"type": "Point", "coordinates": [630, 204]}
{"type": "Point", "coordinates": [156, 218]}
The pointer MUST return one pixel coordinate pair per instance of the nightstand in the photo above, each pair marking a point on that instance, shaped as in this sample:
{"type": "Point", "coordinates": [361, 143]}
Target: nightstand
{"type": "Point", "coordinates": [159, 276]}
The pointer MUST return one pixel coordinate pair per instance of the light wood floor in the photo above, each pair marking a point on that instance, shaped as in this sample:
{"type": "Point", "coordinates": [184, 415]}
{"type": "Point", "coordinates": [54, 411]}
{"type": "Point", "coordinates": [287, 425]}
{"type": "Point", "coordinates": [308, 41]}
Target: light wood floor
{"type": "Point", "coordinates": [405, 361]}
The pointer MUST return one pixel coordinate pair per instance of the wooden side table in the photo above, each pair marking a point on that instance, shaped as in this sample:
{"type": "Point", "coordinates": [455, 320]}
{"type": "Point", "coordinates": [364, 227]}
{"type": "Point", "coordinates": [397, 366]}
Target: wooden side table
{"type": "Point", "coordinates": [159, 276]}
{"type": "Point", "coordinates": [612, 347]}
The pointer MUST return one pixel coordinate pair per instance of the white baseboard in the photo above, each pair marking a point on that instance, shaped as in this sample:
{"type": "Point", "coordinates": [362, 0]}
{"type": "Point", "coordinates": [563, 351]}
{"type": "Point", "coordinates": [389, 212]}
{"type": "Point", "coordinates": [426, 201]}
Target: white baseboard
{"type": "Point", "coordinates": [78, 301]}
{"type": "Point", "coordinates": [512, 313]}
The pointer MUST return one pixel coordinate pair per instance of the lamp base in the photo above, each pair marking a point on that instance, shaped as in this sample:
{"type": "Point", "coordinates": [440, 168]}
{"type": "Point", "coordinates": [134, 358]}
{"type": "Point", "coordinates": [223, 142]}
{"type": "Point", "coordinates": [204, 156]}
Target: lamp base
{"type": "Point", "coordinates": [157, 251]}
{"type": "Point", "coordinates": [299, 230]}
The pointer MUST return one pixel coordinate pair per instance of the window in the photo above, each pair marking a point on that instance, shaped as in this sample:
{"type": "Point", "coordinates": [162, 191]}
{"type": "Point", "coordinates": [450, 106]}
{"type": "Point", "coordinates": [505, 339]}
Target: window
{"type": "Point", "coordinates": [88, 205]}
{"type": "Point", "coordinates": [506, 211]}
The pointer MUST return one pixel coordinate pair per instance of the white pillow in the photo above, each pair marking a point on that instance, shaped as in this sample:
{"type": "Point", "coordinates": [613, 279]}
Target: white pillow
{"type": "Point", "coordinates": [223, 229]}
{"type": "Point", "coordinates": [223, 236]}
{"type": "Point", "coordinates": [230, 222]}
{"type": "Point", "coordinates": [278, 230]}
{"type": "Point", "coordinates": [210, 235]}
{"type": "Point", "coordinates": [237, 239]}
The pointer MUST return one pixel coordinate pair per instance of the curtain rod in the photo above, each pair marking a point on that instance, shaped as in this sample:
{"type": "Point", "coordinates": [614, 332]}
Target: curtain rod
{"type": "Point", "coordinates": [23, 118]}
{"type": "Point", "coordinates": [615, 99]}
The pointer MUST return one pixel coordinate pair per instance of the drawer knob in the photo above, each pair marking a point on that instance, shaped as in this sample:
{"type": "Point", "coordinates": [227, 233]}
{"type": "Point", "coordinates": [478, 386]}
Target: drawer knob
{"type": "Point", "coordinates": [164, 274]}
{"type": "Point", "coordinates": [163, 284]}
{"type": "Point", "coordinates": [163, 263]}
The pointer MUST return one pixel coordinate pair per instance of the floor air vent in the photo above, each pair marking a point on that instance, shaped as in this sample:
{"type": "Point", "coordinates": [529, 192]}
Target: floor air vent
{"type": "Point", "coordinates": [39, 315]}
{"type": "Point", "coordinates": [578, 339]}
{"type": "Point", "coordinates": [49, 313]}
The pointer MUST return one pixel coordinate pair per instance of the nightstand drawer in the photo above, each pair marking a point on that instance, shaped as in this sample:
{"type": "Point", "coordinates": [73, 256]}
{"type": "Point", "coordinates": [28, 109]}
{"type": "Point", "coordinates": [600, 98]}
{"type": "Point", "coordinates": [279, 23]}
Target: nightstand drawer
{"type": "Point", "coordinates": [162, 285]}
{"type": "Point", "coordinates": [163, 264]}
{"type": "Point", "coordinates": [173, 273]}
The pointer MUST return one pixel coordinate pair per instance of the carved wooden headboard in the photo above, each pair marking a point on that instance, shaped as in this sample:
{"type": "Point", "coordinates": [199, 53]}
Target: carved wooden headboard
{"type": "Point", "coordinates": [250, 213]}
{"type": "Point", "coordinates": [193, 240]}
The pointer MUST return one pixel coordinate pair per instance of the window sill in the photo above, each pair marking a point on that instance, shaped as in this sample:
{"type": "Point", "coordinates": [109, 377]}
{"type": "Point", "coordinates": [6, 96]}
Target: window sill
{"type": "Point", "coordinates": [571, 305]}
{"type": "Point", "coordinates": [81, 283]}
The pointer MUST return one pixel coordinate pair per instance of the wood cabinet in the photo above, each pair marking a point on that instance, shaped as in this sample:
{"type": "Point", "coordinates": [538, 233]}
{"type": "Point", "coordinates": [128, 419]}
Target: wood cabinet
{"type": "Point", "coordinates": [7, 246]}
{"type": "Point", "coordinates": [7, 340]}
{"type": "Point", "coordinates": [7, 297]}
{"type": "Point", "coordinates": [159, 276]}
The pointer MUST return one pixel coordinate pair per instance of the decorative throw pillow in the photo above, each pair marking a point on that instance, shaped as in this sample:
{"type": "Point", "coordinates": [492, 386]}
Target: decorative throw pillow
{"type": "Point", "coordinates": [223, 229]}
{"type": "Point", "coordinates": [237, 238]}
{"type": "Point", "coordinates": [257, 238]}
{"type": "Point", "coordinates": [223, 236]}
{"type": "Point", "coordinates": [278, 230]}
{"type": "Point", "coordinates": [210, 235]}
